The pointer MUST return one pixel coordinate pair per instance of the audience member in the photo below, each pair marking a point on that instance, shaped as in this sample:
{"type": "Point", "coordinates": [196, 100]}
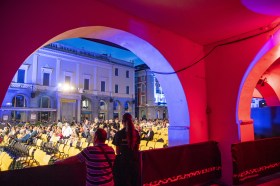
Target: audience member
{"type": "Point", "coordinates": [99, 161]}
{"type": "Point", "coordinates": [149, 136]}
{"type": "Point", "coordinates": [127, 143]}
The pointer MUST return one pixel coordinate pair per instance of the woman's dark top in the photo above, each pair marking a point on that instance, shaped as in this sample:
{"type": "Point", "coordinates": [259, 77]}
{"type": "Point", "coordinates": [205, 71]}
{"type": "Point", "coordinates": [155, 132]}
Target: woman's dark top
{"type": "Point", "coordinates": [121, 141]}
{"type": "Point", "coordinates": [126, 167]}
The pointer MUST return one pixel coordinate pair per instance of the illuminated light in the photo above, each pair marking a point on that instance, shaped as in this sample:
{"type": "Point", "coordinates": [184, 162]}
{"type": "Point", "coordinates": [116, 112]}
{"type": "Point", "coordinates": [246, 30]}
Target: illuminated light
{"type": "Point", "coordinates": [268, 7]}
{"type": "Point", "coordinates": [65, 87]}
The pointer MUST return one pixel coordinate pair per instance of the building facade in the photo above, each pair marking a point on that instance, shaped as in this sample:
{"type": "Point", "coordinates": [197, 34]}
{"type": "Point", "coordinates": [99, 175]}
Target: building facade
{"type": "Point", "coordinates": [150, 100]}
{"type": "Point", "coordinates": [60, 82]}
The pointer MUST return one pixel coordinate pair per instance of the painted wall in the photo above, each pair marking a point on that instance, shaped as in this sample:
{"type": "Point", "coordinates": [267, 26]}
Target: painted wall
{"type": "Point", "coordinates": [27, 26]}
{"type": "Point", "coordinates": [225, 68]}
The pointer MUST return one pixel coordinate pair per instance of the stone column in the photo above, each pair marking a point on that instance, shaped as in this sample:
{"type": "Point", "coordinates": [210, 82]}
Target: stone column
{"type": "Point", "coordinates": [95, 106]}
{"type": "Point", "coordinates": [246, 130]}
{"type": "Point", "coordinates": [35, 68]}
{"type": "Point", "coordinates": [77, 75]}
{"type": "Point", "coordinates": [78, 111]}
{"type": "Point", "coordinates": [58, 61]}
{"type": "Point", "coordinates": [58, 105]}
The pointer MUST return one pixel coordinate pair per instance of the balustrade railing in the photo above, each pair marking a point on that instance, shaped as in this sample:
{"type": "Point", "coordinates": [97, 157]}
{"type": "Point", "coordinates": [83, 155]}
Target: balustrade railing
{"type": "Point", "coordinates": [32, 87]}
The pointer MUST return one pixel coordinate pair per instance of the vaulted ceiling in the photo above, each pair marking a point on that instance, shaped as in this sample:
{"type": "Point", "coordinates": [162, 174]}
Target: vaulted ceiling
{"type": "Point", "coordinates": [202, 21]}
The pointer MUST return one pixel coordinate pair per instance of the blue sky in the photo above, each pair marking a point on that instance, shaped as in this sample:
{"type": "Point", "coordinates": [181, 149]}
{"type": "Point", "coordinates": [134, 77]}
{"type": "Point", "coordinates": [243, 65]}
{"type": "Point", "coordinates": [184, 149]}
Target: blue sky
{"type": "Point", "coordinates": [102, 49]}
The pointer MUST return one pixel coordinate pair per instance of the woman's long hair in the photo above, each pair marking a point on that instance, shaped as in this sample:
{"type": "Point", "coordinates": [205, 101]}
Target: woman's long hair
{"type": "Point", "coordinates": [130, 131]}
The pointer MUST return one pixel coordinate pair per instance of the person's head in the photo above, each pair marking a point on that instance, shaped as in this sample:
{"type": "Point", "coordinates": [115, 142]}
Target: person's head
{"type": "Point", "coordinates": [127, 118]}
{"type": "Point", "coordinates": [130, 130]}
{"type": "Point", "coordinates": [100, 136]}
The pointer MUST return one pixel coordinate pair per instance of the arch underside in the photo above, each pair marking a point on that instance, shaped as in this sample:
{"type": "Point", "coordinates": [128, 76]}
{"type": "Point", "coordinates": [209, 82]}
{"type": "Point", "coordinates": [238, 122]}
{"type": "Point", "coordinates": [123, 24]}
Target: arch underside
{"type": "Point", "coordinates": [269, 53]}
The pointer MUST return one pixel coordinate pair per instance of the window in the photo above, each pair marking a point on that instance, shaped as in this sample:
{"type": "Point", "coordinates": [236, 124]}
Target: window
{"type": "Point", "coordinates": [127, 74]}
{"type": "Point", "coordinates": [86, 104]}
{"type": "Point", "coordinates": [126, 106]}
{"type": "Point", "coordinates": [116, 72]}
{"type": "Point", "coordinates": [143, 100]}
{"type": "Point", "coordinates": [21, 75]}
{"type": "Point", "coordinates": [86, 84]}
{"type": "Point", "coordinates": [46, 73]}
{"type": "Point", "coordinates": [116, 88]}
{"type": "Point", "coordinates": [102, 105]}
{"type": "Point", "coordinates": [143, 87]}
{"type": "Point", "coordinates": [45, 102]}
{"type": "Point", "coordinates": [46, 79]}
{"type": "Point", "coordinates": [19, 101]}
{"type": "Point", "coordinates": [67, 79]}
{"type": "Point", "coordinates": [116, 106]}
{"type": "Point", "coordinates": [102, 86]}
{"type": "Point", "coordinates": [127, 89]}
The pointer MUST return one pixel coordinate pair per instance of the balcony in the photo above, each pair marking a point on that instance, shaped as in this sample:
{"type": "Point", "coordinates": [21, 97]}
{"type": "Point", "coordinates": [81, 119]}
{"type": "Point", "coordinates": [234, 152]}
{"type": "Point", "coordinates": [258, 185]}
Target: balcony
{"type": "Point", "coordinates": [32, 87]}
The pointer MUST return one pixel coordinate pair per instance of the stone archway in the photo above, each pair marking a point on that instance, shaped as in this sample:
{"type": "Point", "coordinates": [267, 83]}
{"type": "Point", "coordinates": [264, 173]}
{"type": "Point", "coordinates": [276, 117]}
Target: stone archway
{"type": "Point", "coordinates": [117, 108]}
{"type": "Point", "coordinates": [269, 53]}
{"type": "Point", "coordinates": [179, 121]}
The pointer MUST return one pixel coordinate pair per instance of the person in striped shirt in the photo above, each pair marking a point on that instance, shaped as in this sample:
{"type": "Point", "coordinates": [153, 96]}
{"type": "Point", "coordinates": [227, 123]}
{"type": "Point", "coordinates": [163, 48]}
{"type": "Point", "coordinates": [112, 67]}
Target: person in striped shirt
{"type": "Point", "coordinates": [99, 161]}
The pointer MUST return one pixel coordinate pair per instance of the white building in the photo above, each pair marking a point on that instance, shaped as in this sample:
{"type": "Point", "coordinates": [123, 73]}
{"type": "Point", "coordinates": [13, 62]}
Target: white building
{"type": "Point", "coordinates": [150, 99]}
{"type": "Point", "coordinates": [59, 82]}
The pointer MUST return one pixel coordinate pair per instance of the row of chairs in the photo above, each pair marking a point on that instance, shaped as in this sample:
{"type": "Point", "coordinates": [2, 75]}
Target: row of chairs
{"type": "Point", "coordinates": [5, 161]}
{"type": "Point", "coordinates": [26, 155]}
{"type": "Point", "coordinates": [37, 158]}
{"type": "Point", "coordinates": [159, 134]}
{"type": "Point", "coordinates": [148, 145]}
{"type": "Point", "coordinates": [65, 151]}
{"type": "Point", "coordinates": [5, 141]}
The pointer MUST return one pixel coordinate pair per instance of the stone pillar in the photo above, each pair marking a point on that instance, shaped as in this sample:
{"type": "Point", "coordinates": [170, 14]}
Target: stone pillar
{"type": "Point", "coordinates": [78, 117]}
{"type": "Point", "coordinates": [110, 109]}
{"type": "Point", "coordinates": [58, 61]}
{"type": "Point", "coordinates": [58, 105]}
{"type": "Point", "coordinates": [95, 107]}
{"type": "Point", "coordinates": [94, 78]}
{"type": "Point", "coordinates": [35, 68]}
{"type": "Point", "coordinates": [110, 82]}
{"type": "Point", "coordinates": [77, 76]}
{"type": "Point", "coordinates": [246, 130]}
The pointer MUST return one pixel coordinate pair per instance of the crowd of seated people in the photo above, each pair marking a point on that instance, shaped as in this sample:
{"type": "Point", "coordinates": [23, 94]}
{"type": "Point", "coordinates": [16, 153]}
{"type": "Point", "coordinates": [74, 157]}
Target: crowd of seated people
{"type": "Point", "coordinates": [80, 135]}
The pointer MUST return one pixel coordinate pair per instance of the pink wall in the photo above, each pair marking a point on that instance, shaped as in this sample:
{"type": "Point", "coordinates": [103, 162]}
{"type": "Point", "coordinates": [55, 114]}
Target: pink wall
{"type": "Point", "coordinates": [225, 68]}
{"type": "Point", "coordinates": [27, 26]}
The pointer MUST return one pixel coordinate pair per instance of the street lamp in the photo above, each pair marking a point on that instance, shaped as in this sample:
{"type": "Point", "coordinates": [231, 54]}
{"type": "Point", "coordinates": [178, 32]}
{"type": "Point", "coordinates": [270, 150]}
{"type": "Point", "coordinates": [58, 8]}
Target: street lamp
{"type": "Point", "coordinates": [65, 87]}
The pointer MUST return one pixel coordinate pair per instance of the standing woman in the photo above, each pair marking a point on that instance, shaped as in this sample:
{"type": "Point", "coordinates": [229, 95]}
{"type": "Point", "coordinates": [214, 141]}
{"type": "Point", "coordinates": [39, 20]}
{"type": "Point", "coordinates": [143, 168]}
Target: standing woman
{"type": "Point", "coordinates": [127, 142]}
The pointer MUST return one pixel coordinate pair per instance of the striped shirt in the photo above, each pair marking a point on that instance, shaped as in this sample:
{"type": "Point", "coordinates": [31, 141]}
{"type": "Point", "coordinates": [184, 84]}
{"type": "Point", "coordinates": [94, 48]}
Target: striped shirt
{"type": "Point", "coordinates": [99, 171]}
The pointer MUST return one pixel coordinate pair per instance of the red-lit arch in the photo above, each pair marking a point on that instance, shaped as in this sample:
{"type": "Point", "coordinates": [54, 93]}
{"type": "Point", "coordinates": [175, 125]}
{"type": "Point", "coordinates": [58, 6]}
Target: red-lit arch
{"type": "Point", "coordinates": [179, 121]}
{"type": "Point", "coordinates": [268, 94]}
{"type": "Point", "coordinates": [269, 53]}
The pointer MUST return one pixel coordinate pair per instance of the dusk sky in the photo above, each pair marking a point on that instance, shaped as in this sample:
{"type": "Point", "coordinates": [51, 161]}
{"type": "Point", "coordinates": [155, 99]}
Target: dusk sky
{"type": "Point", "coordinates": [102, 49]}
